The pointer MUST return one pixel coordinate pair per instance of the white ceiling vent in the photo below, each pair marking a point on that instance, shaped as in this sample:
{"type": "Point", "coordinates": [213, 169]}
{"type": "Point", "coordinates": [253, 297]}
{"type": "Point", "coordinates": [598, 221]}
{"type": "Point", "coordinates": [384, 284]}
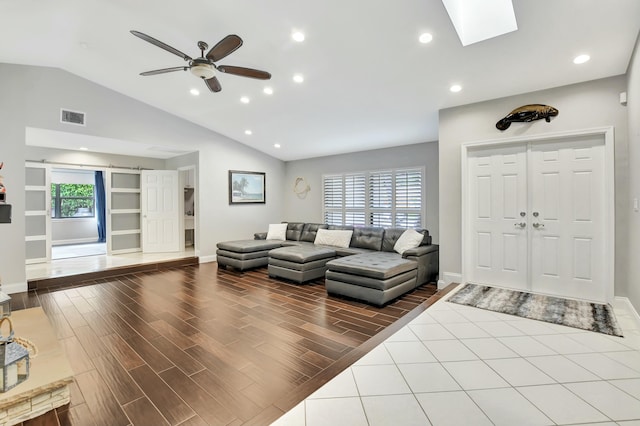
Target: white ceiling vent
{"type": "Point", "coordinates": [72, 117]}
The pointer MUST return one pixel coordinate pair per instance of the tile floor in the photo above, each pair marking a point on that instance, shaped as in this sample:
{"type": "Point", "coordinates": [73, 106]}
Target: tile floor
{"type": "Point", "coordinates": [458, 365]}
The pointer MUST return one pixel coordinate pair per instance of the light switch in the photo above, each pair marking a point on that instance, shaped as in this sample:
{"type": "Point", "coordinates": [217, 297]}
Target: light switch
{"type": "Point", "coordinates": [635, 204]}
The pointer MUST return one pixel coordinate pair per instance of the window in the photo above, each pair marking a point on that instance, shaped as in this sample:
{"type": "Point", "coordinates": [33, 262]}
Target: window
{"type": "Point", "coordinates": [72, 200]}
{"type": "Point", "coordinates": [386, 198]}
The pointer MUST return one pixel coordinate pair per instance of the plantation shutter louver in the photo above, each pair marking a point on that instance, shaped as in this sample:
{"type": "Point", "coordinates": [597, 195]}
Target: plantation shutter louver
{"type": "Point", "coordinates": [332, 194]}
{"type": "Point", "coordinates": [381, 198]}
{"type": "Point", "coordinates": [408, 198]}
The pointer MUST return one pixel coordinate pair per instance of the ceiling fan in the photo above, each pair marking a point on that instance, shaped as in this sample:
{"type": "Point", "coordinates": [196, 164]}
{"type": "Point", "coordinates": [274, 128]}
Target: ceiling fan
{"type": "Point", "coordinates": [204, 66]}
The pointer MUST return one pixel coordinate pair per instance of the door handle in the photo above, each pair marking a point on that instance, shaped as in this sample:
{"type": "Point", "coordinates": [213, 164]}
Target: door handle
{"type": "Point", "coordinates": [538, 225]}
{"type": "Point", "coordinates": [520, 225]}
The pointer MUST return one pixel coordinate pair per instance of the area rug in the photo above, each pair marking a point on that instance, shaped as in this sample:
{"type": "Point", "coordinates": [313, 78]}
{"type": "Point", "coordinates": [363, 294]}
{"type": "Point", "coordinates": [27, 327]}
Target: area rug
{"type": "Point", "coordinates": [572, 313]}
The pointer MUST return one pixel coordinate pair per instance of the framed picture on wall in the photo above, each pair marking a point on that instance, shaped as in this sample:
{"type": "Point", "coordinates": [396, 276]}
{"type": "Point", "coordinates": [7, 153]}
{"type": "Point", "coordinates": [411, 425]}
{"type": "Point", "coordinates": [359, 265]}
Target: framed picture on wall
{"type": "Point", "coordinates": [246, 187]}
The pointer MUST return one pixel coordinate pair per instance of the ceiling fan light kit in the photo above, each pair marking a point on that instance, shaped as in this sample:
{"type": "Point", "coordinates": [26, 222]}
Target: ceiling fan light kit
{"type": "Point", "coordinates": [204, 67]}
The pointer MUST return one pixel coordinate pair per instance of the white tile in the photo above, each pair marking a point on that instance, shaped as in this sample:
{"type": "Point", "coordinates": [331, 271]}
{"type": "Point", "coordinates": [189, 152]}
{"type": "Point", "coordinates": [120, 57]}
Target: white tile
{"type": "Point", "coordinates": [335, 411]}
{"type": "Point", "coordinates": [629, 423]}
{"type": "Point", "coordinates": [563, 344]}
{"type": "Point", "coordinates": [428, 378]}
{"type": "Point", "coordinates": [293, 417]}
{"type": "Point", "coordinates": [526, 346]}
{"type": "Point", "coordinates": [474, 375]}
{"type": "Point", "coordinates": [599, 342]}
{"type": "Point", "coordinates": [394, 410]}
{"type": "Point", "coordinates": [431, 332]}
{"type": "Point", "coordinates": [630, 386]}
{"type": "Point", "coordinates": [465, 330]}
{"type": "Point", "coordinates": [560, 405]}
{"type": "Point", "coordinates": [500, 329]}
{"type": "Point", "coordinates": [340, 386]}
{"type": "Point", "coordinates": [562, 369]}
{"type": "Point", "coordinates": [629, 358]}
{"type": "Point", "coordinates": [448, 316]}
{"type": "Point", "coordinates": [610, 400]}
{"type": "Point", "coordinates": [452, 409]}
{"type": "Point", "coordinates": [533, 327]}
{"type": "Point", "coordinates": [449, 350]}
{"type": "Point", "coordinates": [604, 367]}
{"type": "Point", "coordinates": [403, 335]}
{"type": "Point", "coordinates": [476, 315]}
{"type": "Point", "coordinates": [409, 352]}
{"type": "Point", "coordinates": [519, 372]}
{"type": "Point", "coordinates": [423, 318]}
{"type": "Point", "coordinates": [488, 348]}
{"type": "Point", "coordinates": [379, 355]}
{"type": "Point", "coordinates": [507, 407]}
{"type": "Point", "coordinates": [379, 380]}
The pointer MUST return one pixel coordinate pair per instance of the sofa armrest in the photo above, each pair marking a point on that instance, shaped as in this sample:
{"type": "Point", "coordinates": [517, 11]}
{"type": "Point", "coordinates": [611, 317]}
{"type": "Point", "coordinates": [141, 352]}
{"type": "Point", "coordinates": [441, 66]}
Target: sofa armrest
{"type": "Point", "coordinates": [420, 251]}
{"type": "Point", "coordinates": [428, 259]}
{"type": "Point", "coordinates": [260, 236]}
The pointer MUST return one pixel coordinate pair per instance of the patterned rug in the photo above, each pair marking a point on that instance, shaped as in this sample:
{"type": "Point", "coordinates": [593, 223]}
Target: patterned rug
{"type": "Point", "coordinates": [572, 313]}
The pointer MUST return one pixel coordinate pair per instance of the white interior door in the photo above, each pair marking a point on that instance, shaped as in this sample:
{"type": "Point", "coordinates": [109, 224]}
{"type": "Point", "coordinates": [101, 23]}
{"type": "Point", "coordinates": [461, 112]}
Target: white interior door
{"type": "Point", "coordinates": [567, 232]}
{"type": "Point", "coordinates": [498, 205]}
{"type": "Point", "coordinates": [37, 213]}
{"type": "Point", "coordinates": [160, 211]}
{"type": "Point", "coordinates": [537, 217]}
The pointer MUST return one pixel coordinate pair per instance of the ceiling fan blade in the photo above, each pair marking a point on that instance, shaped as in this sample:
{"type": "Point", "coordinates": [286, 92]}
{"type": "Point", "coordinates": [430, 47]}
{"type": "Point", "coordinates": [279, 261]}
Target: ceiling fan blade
{"type": "Point", "coordinates": [244, 72]}
{"type": "Point", "coordinates": [213, 84]}
{"type": "Point", "coordinates": [164, 70]}
{"type": "Point", "coordinates": [160, 44]}
{"type": "Point", "coordinates": [226, 46]}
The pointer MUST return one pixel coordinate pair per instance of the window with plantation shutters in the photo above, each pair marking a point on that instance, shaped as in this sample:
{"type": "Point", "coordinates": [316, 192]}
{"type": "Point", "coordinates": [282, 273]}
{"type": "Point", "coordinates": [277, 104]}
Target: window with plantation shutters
{"type": "Point", "coordinates": [385, 198]}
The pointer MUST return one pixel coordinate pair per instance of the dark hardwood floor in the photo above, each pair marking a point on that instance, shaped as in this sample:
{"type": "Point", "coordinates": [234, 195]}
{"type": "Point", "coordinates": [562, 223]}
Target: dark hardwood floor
{"type": "Point", "coordinates": [195, 345]}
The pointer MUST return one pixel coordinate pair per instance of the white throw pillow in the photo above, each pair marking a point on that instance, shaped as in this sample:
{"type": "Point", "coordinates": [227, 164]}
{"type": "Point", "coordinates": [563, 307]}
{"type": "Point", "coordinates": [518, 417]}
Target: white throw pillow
{"type": "Point", "coordinates": [277, 231]}
{"type": "Point", "coordinates": [408, 240]}
{"type": "Point", "coordinates": [333, 237]}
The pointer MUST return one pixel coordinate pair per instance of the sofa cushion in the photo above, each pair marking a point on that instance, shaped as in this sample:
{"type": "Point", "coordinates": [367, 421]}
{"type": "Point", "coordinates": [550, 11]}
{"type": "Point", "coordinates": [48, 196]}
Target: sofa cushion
{"type": "Point", "coordinates": [309, 231]}
{"type": "Point", "coordinates": [368, 238]}
{"type": "Point", "coordinates": [333, 237]}
{"type": "Point", "coordinates": [248, 246]}
{"type": "Point", "coordinates": [302, 254]}
{"type": "Point", "coordinates": [408, 240]}
{"type": "Point", "coordinates": [294, 230]}
{"type": "Point", "coordinates": [379, 265]}
{"type": "Point", "coordinates": [341, 227]}
{"type": "Point", "coordinates": [391, 236]}
{"type": "Point", "coordinates": [277, 231]}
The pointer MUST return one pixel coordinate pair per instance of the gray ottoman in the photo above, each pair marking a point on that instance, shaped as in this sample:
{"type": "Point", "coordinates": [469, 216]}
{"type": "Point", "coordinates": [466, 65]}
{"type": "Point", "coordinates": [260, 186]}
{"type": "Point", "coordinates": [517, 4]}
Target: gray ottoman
{"type": "Point", "coordinates": [375, 277]}
{"type": "Point", "coordinates": [299, 263]}
{"type": "Point", "coordinates": [245, 254]}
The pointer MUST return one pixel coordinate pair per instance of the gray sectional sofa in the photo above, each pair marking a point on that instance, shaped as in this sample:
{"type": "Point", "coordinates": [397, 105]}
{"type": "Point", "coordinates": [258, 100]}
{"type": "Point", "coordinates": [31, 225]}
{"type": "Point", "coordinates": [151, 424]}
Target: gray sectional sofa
{"type": "Point", "coordinates": [368, 269]}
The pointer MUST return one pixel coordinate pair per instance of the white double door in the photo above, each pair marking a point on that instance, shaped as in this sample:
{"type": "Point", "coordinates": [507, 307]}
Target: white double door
{"type": "Point", "coordinates": [537, 217]}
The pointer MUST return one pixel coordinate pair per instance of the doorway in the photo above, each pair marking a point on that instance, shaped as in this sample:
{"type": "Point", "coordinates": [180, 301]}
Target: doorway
{"type": "Point", "coordinates": [538, 214]}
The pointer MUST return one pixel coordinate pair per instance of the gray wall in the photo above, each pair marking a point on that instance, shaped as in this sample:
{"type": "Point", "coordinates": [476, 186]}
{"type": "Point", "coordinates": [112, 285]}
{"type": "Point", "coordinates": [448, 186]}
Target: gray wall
{"type": "Point", "coordinates": [633, 106]}
{"type": "Point", "coordinates": [581, 106]}
{"type": "Point", "coordinates": [309, 209]}
{"type": "Point", "coordinates": [33, 96]}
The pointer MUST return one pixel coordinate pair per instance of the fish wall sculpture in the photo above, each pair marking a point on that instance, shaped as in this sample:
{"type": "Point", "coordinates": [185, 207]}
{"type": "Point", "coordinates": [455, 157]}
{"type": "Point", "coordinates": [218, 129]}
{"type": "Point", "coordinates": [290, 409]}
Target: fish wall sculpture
{"type": "Point", "coordinates": [527, 113]}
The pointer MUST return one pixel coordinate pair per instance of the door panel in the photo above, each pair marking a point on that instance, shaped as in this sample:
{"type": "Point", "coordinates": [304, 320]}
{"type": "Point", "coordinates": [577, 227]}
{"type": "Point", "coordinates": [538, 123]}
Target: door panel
{"type": "Point", "coordinates": [37, 213]}
{"type": "Point", "coordinates": [160, 211]}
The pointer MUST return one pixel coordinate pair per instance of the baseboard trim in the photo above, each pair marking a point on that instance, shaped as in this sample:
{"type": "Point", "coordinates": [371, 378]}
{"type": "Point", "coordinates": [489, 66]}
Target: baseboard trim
{"type": "Point", "coordinates": [74, 241]}
{"type": "Point", "coordinates": [448, 278]}
{"type": "Point", "coordinates": [207, 259]}
{"type": "Point", "coordinates": [625, 301]}
{"type": "Point", "coordinates": [12, 288]}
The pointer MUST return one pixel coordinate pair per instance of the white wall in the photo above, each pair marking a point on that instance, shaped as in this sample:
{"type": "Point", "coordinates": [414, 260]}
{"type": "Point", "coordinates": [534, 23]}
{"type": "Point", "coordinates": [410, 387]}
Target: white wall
{"type": "Point", "coordinates": [633, 107]}
{"type": "Point", "coordinates": [309, 209]}
{"type": "Point", "coordinates": [33, 96]}
{"type": "Point", "coordinates": [581, 106]}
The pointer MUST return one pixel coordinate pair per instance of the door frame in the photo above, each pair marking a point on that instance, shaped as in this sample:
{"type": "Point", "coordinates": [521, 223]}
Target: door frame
{"type": "Point", "coordinates": [609, 195]}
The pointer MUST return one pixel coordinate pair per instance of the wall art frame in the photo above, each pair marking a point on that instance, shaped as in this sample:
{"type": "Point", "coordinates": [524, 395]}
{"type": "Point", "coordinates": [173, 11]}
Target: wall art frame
{"type": "Point", "coordinates": [247, 187]}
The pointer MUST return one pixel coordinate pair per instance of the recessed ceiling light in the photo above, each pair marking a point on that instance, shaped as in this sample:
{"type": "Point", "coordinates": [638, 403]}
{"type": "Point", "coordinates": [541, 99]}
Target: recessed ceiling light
{"type": "Point", "coordinates": [83, 148]}
{"type": "Point", "coordinates": [581, 59]}
{"type": "Point", "coordinates": [425, 38]}
{"type": "Point", "coordinates": [194, 92]}
{"type": "Point", "coordinates": [245, 100]}
{"type": "Point", "coordinates": [268, 90]}
{"type": "Point", "coordinates": [297, 36]}
{"type": "Point", "coordinates": [298, 78]}
{"type": "Point", "coordinates": [248, 132]}
{"type": "Point", "coordinates": [455, 88]}
{"type": "Point", "coordinates": [276, 145]}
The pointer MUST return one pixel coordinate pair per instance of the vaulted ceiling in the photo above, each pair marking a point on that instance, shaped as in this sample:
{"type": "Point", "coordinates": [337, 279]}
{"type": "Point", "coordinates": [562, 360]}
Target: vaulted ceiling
{"type": "Point", "coordinates": [368, 82]}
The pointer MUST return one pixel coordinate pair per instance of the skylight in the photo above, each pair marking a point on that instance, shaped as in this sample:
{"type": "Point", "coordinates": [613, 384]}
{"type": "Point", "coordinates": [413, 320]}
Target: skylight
{"type": "Point", "coordinates": [481, 20]}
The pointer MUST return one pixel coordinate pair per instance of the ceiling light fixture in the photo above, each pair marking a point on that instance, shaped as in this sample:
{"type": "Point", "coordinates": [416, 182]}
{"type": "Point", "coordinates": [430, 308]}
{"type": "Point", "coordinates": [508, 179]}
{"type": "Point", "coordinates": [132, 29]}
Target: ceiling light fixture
{"type": "Point", "coordinates": [425, 38]}
{"type": "Point", "coordinates": [455, 88]}
{"type": "Point", "coordinates": [581, 59]}
{"type": "Point", "coordinates": [298, 78]}
{"type": "Point", "coordinates": [475, 21]}
{"type": "Point", "coordinates": [276, 145]}
{"type": "Point", "coordinates": [201, 68]}
{"type": "Point", "coordinates": [297, 36]}
{"type": "Point", "coordinates": [194, 92]}
{"type": "Point", "coordinates": [248, 132]}
{"type": "Point", "coordinates": [245, 100]}
{"type": "Point", "coordinates": [268, 90]}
